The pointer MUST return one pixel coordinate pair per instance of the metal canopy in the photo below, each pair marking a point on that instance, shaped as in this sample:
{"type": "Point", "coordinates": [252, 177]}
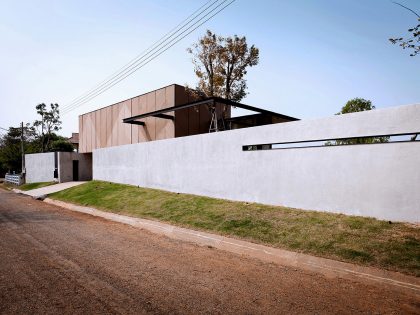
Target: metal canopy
{"type": "Point", "coordinates": [211, 100]}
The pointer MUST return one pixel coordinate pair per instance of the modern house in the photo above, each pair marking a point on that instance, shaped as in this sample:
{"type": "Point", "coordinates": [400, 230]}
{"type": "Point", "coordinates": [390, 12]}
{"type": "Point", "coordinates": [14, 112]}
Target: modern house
{"type": "Point", "coordinates": [164, 140]}
{"type": "Point", "coordinates": [169, 112]}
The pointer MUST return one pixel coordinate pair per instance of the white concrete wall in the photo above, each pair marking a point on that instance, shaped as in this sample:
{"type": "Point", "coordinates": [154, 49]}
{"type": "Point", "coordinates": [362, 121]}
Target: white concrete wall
{"type": "Point", "coordinates": [379, 180]}
{"type": "Point", "coordinates": [39, 167]}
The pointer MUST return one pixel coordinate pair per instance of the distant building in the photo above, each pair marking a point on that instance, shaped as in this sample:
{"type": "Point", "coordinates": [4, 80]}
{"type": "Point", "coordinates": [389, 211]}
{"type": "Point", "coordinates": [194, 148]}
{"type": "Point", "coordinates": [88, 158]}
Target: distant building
{"type": "Point", "coordinates": [74, 140]}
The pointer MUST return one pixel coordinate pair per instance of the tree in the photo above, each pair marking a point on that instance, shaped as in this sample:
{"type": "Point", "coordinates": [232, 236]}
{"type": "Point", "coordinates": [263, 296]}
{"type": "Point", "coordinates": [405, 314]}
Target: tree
{"type": "Point", "coordinates": [34, 140]}
{"type": "Point", "coordinates": [359, 105]}
{"type": "Point", "coordinates": [412, 42]}
{"type": "Point", "coordinates": [62, 145]}
{"type": "Point", "coordinates": [10, 147]}
{"type": "Point", "coordinates": [221, 65]}
{"type": "Point", "coordinates": [356, 105]}
{"type": "Point", "coordinates": [207, 64]}
{"type": "Point", "coordinates": [50, 122]}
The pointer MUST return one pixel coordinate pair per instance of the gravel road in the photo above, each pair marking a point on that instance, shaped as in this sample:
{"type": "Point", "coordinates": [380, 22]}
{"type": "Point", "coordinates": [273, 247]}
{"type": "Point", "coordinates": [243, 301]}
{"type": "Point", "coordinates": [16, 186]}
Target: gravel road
{"type": "Point", "coordinates": [53, 261]}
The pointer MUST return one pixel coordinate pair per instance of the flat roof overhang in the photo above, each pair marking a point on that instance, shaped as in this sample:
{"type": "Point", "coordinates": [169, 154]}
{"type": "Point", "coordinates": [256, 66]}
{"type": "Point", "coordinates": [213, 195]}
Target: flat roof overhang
{"type": "Point", "coordinates": [211, 100]}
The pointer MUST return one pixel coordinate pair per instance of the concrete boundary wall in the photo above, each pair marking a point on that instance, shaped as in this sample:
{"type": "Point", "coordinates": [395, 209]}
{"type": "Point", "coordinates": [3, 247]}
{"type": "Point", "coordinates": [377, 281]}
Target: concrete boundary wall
{"type": "Point", "coordinates": [378, 180]}
{"type": "Point", "coordinates": [39, 167]}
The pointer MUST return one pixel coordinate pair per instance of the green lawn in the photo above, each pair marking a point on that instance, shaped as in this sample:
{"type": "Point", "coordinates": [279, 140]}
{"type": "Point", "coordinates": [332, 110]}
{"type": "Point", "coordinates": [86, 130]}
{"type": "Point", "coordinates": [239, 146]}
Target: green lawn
{"type": "Point", "coordinates": [360, 240]}
{"type": "Point", "coordinates": [35, 185]}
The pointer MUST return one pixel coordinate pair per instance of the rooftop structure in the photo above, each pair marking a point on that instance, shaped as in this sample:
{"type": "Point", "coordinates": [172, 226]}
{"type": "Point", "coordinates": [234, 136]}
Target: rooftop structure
{"type": "Point", "coordinates": [169, 112]}
{"type": "Point", "coordinates": [262, 116]}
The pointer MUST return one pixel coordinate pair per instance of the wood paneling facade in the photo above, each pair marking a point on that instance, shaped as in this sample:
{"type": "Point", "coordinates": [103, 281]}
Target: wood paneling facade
{"type": "Point", "coordinates": [104, 127]}
{"type": "Point", "coordinates": [194, 120]}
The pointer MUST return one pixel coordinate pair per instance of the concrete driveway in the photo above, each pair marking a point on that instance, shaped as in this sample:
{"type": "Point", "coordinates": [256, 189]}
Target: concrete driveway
{"type": "Point", "coordinates": [43, 191]}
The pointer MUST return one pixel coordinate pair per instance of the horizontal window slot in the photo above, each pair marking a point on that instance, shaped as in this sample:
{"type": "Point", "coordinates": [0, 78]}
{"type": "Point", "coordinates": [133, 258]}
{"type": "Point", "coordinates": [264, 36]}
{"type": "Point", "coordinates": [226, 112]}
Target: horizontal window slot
{"type": "Point", "coordinates": [375, 139]}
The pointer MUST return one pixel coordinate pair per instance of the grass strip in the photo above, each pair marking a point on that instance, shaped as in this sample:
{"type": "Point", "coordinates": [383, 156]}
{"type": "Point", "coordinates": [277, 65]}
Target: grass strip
{"type": "Point", "coordinates": [360, 240]}
{"type": "Point", "coordinates": [31, 186]}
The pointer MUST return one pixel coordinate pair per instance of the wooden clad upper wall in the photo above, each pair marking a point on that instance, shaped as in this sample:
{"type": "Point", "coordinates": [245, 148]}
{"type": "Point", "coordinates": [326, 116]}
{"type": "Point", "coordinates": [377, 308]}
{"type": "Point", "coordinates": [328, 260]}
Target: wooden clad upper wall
{"type": "Point", "coordinates": [93, 135]}
{"type": "Point", "coordinates": [150, 121]}
{"type": "Point", "coordinates": [170, 102]}
{"type": "Point", "coordinates": [115, 109]}
{"type": "Point", "coordinates": [104, 127]}
{"type": "Point", "coordinates": [165, 128]}
{"type": "Point", "coordinates": [135, 110]}
{"type": "Point", "coordinates": [181, 118]}
{"type": "Point", "coordinates": [80, 133]}
{"type": "Point", "coordinates": [192, 120]}
{"type": "Point", "coordinates": [160, 123]}
{"type": "Point", "coordinates": [108, 132]}
{"type": "Point", "coordinates": [143, 132]}
{"type": "Point", "coordinates": [124, 134]}
{"type": "Point", "coordinates": [87, 124]}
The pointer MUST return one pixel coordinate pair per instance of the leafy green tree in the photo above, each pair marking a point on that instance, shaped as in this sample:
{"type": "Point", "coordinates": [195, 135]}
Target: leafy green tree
{"type": "Point", "coordinates": [62, 145]}
{"type": "Point", "coordinates": [207, 65]}
{"type": "Point", "coordinates": [221, 64]}
{"type": "Point", "coordinates": [10, 147]}
{"type": "Point", "coordinates": [50, 122]}
{"type": "Point", "coordinates": [356, 105]}
{"type": "Point", "coordinates": [359, 105]}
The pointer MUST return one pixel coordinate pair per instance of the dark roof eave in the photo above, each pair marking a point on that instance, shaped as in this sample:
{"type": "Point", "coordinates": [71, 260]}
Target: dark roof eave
{"type": "Point", "coordinates": [213, 100]}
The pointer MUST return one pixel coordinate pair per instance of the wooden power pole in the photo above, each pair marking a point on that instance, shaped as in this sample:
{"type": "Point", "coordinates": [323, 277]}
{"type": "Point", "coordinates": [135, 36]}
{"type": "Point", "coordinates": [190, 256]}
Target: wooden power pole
{"type": "Point", "coordinates": [22, 150]}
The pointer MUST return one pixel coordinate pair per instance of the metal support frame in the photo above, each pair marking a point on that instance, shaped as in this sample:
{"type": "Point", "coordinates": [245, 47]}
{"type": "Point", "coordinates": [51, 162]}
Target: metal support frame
{"type": "Point", "coordinates": [134, 122]}
{"type": "Point", "coordinates": [164, 116]}
{"type": "Point", "coordinates": [161, 113]}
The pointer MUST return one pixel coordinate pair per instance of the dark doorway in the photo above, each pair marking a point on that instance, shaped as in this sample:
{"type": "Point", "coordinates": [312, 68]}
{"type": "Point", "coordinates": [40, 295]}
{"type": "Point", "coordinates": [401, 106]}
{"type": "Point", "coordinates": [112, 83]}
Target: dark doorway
{"type": "Point", "coordinates": [75, 170]}
{"type": "Point", "coordinates": [55, 165]}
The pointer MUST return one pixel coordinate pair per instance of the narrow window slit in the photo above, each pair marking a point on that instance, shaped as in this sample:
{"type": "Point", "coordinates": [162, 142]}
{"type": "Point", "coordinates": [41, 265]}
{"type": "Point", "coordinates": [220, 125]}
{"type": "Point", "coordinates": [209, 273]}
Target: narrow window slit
{"type": "Point", "coordinates": [375, 139]}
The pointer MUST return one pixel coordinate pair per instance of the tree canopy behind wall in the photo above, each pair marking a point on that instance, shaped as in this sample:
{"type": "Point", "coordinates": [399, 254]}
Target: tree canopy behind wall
{"type": "Point", "coordinates": [221, 64]}
{"type": "Point", "coordinates": [48, 124]}
{"type": "Point", "coordinates": [40, 137]}
{"type": "Point", "coordinates": [359, 105]}
{"type": "Point", "coordinates": [10, 147]}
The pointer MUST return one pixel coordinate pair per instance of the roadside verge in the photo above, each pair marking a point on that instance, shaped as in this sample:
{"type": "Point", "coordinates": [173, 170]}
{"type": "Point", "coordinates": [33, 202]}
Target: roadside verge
{"type": "Point", "coordinates": [327, 267]}
{"type": "Point", "coordinates": [44, 191]}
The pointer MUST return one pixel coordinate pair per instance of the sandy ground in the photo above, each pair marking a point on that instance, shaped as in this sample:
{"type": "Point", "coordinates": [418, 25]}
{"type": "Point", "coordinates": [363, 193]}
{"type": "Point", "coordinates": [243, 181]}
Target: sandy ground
{"type": "Point", "coordinates": [56, 261]}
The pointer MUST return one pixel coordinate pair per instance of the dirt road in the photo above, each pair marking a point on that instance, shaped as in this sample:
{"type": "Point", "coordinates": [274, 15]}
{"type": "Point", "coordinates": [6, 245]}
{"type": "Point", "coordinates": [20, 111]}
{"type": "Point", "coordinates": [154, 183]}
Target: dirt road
{"type": "Point", "coordinates": [53, 261]}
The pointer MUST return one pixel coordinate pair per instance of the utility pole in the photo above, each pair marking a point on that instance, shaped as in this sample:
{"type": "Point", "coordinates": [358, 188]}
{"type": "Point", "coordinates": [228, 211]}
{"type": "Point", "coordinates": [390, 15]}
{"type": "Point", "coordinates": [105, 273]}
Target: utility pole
{"type": "Point", "coordinates": [22, 150]}
{"type": "Point", "coordinates": [42, 130]}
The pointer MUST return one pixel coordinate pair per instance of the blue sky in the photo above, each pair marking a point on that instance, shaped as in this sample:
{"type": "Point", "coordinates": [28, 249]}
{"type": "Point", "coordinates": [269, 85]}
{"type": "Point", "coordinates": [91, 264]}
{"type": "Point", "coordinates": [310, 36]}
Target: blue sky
{"type": "Point", "coordinates": [314, 54]}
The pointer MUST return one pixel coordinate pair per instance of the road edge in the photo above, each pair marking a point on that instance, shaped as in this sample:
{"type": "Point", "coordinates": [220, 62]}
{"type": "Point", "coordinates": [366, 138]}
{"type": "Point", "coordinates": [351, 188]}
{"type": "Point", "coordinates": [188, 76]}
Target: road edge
{"type": "Point", "coordinates": [327, 267]}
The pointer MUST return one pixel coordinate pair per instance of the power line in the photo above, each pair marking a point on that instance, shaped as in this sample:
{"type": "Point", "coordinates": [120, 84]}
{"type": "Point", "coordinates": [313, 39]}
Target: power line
{"type": "Point", "coordinates": [148, 59]}
{"type": "Point", "coordinates": [142, 54]}
{"type": "Point", "coordinates": [153, 56]}
{"type": "Point", "coordinates": [407, 8]}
